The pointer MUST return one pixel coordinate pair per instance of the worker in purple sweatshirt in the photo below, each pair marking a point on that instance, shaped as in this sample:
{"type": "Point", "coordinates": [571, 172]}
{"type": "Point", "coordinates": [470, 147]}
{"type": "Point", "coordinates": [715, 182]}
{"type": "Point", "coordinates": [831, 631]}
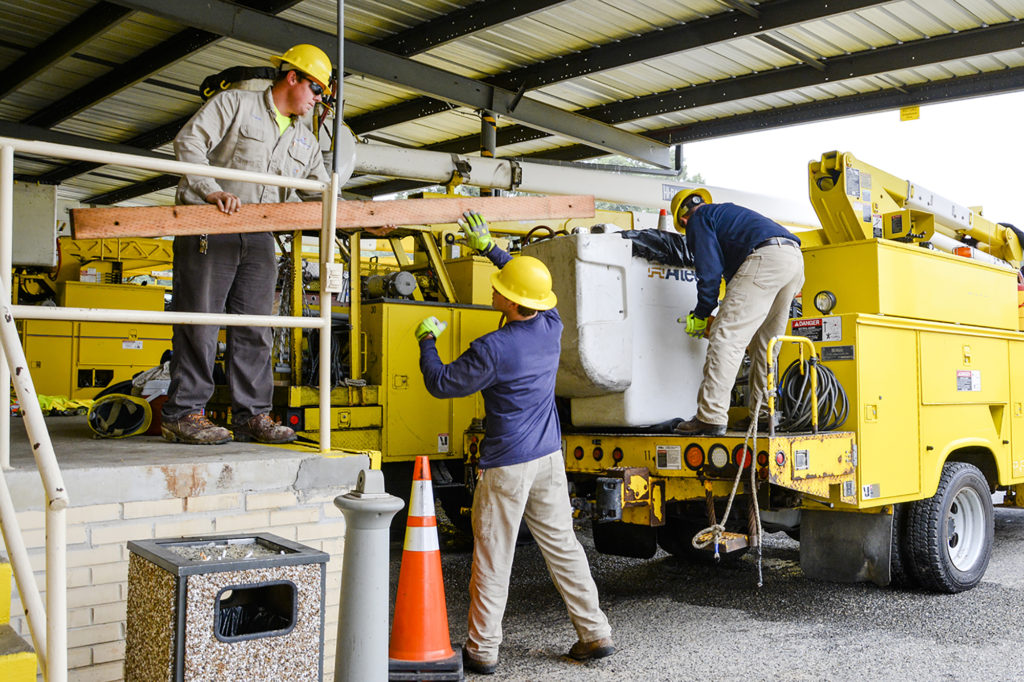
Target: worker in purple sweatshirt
{"type": "Point", "coordinates": [521, 469]}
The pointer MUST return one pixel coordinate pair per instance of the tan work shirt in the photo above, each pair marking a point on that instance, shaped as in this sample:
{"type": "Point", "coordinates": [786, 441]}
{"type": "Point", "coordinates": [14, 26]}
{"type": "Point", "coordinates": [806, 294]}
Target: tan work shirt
{"type": "Point", "coordinates": [238, 129]}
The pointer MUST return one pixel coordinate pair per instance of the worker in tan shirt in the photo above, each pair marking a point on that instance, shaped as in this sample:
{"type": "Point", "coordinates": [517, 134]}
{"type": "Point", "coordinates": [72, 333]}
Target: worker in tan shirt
{"type": "Point", "coordinates": [237, 273]}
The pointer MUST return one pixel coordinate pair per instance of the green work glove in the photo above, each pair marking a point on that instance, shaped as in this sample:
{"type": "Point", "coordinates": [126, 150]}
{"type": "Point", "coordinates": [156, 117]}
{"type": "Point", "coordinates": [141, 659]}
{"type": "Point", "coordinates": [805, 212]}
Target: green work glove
{"type": "Point", "coordinates": [477, 234]}
{"type": "Point", "coordinates": [431, 325]}
{"type": "Point", "coordinates": [695, 326]}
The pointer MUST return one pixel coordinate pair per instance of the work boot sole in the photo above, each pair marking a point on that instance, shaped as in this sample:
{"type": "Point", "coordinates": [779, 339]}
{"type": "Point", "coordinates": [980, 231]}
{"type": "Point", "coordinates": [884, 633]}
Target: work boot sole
{"type": "Point", "coordinates": [246, 437]}
{"type": "Point", "coordinates": [176, 438]}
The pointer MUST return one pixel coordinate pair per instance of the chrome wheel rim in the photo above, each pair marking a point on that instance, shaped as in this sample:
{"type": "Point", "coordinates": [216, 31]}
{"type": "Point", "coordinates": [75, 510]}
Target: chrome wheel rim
{"type": "Point", "coordinates": [965, 529]}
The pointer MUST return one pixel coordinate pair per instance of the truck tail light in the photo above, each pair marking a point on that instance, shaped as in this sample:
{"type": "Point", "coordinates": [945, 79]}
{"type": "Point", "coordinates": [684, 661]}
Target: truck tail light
{"type": "Point", "coordinates": [578, 452]}
{"type": "Point", "coordinates": [742, 456]}
{"type": "Point", "coordinates": [762, 459]}
{"type": "Point", "coordinates": [617, 454]}
{"type": "Point", "coordinates": [694, 456]}
{"type": "Point", "coordinates": [718, 455]}
{"type": "Point", "coordinates": [598, 454]}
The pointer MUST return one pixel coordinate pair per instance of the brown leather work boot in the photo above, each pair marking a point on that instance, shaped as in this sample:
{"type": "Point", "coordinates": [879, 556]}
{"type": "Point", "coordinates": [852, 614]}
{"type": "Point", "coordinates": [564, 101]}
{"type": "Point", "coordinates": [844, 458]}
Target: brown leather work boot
{"type": "Point", "coordinates": [696, 427]}
{"type": "Point", "coordinates": [588, 651]}
{"type": "Point", "coordinates": [262, 429]}
{"type": "Point", "coordinates": [194, 429]}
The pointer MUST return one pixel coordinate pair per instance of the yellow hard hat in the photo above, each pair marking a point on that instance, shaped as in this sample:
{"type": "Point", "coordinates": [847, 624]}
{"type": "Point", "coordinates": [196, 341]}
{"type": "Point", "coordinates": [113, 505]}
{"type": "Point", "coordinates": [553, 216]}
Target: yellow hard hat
{"type": "Point", "coordinates": [118, 415]}
{"type": "Point", "coordinates": [679, 203]}
{"type": "Point", "coordinates": [310, 60]}
{"type": "Point", "coordinates": [526, 281]}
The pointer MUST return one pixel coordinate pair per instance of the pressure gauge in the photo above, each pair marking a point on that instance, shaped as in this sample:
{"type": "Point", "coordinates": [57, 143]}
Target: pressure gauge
{"type": "Point", "coordinates": [825, 302]}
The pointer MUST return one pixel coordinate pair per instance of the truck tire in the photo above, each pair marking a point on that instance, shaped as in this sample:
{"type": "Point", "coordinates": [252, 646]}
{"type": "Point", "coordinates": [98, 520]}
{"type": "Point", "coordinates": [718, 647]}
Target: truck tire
{"type": "Point", "coordinates": [625, 539]}
{"type": "Point", "coordinates": [901, 576]}
{"type": "Point", "coordinates": [949, 535]}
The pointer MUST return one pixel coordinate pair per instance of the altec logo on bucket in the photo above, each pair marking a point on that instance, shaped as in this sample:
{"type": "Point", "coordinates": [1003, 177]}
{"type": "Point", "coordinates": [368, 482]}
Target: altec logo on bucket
{"type": "Point", "coordinates": [662, 272]}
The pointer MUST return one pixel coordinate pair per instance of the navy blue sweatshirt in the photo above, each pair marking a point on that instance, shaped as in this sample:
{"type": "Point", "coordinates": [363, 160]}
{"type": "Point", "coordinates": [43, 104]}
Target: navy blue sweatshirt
{"type": "Point", "coordinates": [720, 237]}
{"type": "Point", "coordinates": [514, 369]}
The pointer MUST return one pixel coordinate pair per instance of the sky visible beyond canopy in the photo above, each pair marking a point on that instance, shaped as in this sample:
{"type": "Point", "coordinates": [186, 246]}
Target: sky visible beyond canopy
{"type": "Point", "coordinates": [965, 151]}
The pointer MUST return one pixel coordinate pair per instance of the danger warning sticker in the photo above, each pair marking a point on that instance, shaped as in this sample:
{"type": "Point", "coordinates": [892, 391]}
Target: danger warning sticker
{"type": "Point", "coordinates": [669, 456]}
{"type": "Point", "coordinates": [819, 328]}
{"type": "Point", "coordinates": [968, 380]}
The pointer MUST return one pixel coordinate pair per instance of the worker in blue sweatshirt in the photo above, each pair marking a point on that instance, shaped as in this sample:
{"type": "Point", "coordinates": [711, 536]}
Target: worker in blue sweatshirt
{"type": "Point", "coordinates": [521, 473]}
{"type": "Point", "coordinates": [763, 270]}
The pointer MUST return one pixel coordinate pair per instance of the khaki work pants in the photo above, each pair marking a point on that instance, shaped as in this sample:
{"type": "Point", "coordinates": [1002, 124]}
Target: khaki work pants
{"type": "Point", "coordinates": [536, 491]}
{"type": "Point", "coordinates": [755, 308]}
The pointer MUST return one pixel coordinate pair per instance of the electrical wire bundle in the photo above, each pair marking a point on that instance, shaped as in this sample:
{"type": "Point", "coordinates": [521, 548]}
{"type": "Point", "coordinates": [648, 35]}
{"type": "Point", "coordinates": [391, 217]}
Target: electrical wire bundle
{"type": "Point", "coordinates": [795, 398]}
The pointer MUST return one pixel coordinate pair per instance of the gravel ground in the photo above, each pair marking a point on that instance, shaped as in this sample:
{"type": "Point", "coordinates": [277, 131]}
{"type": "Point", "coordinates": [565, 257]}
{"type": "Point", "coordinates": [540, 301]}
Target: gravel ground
{"type": "Point", "coordinates": [674, 620]}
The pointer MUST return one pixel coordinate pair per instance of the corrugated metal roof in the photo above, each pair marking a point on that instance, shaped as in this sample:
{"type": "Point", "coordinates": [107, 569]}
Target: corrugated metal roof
{"type": "Point", "coordinates": [563, 29]}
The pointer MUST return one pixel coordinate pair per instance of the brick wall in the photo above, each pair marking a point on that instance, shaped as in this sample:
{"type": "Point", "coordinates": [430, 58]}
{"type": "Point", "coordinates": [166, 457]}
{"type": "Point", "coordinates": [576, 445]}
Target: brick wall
{"type": "Point", "coordinates": [98, 558]}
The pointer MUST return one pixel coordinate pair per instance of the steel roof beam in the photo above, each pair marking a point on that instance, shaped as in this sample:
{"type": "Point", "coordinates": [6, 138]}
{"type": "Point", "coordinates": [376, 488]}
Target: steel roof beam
{"type": "Point", "coordinates": [25, 132]}
{"type": "Point", "coordinates": [152, 139]}
{"type": "Point", "coordinates": [64, 42]}
{"type": "Point", "coordinates": [154, 184]}
{"type": "Point", "coordinates": [917, 53]}
{"type": "Point", "coordinates": [661, 43]}
{"type": "Point", "coordinates": [913, 54]}
{"type": "Point", "coordinates": [962, 87]}
{"type": "Point", "coordinates": [453, 25]}
{"type": "Point", "coordinates": [172, 50]}
{"type": "Point", "coordinates": [274, 33]}
{"type": "Point", "coordinates": [996, 82]}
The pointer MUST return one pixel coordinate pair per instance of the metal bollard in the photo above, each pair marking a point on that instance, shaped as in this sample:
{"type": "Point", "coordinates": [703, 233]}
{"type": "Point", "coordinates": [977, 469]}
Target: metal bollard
{"type": "Point", "coordinates": [362, 648]}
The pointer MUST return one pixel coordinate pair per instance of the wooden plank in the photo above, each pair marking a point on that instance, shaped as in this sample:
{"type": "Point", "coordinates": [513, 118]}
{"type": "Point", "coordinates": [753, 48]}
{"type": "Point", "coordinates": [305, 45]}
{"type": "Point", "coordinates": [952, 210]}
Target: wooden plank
{"type": "Point", "coordinates": [154, 221]}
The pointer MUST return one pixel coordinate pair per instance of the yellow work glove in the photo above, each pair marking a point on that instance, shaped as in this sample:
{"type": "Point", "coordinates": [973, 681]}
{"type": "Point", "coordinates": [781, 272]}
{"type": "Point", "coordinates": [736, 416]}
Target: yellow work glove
{"type": "Point", "coordinates": [478, 236]}
{"type": "Point", "coordinates": [695, 326]}
{"type": "Point", "coordinates": [430, 325]}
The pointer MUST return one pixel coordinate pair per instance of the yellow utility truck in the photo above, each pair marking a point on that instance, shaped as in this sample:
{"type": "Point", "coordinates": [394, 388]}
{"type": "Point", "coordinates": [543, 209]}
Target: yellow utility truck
{"type": "Point", "coordinates": [910, 311]}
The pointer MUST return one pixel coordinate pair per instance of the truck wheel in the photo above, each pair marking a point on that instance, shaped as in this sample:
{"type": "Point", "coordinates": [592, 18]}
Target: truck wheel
{"type": "Point", "coordinates": [949, 535]}
{"type": "Point", "coordinates": [625, 539]}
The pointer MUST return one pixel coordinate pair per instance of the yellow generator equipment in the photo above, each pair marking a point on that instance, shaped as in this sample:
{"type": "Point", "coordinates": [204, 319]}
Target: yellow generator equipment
{"type": "Point", "coordinates": [80, 359]}
{"type": "Point", "coordinates": [910, 319]}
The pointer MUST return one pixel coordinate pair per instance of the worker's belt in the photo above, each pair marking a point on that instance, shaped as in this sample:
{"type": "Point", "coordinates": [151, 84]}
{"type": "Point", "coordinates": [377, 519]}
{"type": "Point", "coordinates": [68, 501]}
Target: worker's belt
{"type": "Point", "coordinates": [777, 241]}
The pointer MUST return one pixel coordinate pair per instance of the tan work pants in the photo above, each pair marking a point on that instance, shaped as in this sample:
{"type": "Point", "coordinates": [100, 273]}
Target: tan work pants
{"type": "Point", "coordinates": [755, 308]}
{"type": "Point", "coordinates": [538, 492]}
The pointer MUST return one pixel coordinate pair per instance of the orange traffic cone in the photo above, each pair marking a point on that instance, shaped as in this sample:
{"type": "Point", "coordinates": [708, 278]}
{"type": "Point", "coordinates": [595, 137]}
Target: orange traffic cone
{"type": "Point", "coordinates": [420, 643]}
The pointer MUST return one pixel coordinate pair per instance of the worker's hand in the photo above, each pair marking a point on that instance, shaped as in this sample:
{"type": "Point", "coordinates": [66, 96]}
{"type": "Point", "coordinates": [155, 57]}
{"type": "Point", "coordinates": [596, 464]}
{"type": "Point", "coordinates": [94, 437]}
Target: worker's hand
{"type": "Point", "coordinates": [430, 327]}
{"type": "Point", "coordinates": [695, 326]}
{"type": "Point", "coordinates": [477, 234]}
{"type": "Point", "coordinates": [226, 201]}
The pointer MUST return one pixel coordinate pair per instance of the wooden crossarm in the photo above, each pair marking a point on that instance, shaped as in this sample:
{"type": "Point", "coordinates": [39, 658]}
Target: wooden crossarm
{"type": "Point", "coordinates": [153, 221]}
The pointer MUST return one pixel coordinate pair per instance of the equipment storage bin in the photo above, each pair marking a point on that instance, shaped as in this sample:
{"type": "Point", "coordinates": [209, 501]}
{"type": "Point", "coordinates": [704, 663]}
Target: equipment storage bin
{"type": "Point", "coordinates": [225, 607]}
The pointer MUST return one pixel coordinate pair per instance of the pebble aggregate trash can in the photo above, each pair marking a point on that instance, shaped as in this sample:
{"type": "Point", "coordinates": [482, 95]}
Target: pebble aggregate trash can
{"type": "Point", "coordinates": [225, 607]}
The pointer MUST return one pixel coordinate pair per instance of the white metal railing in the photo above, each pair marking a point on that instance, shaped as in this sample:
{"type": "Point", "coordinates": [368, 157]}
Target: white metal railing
{"type": "Point", "coordinates": [49, 628]}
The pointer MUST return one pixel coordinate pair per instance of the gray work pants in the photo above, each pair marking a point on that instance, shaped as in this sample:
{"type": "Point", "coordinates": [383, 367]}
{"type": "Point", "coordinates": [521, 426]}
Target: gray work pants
{"type": "Point", "coordinates": [755, 308]}
{"type": "Point", "coordinates": [538, 492]}
{"type": "Point", "coordinates": [236, 275]}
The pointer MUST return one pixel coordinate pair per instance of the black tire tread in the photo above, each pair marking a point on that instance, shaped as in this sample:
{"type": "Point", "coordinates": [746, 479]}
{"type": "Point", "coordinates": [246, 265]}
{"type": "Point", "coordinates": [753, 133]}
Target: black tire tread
{"type": "Point", "coordinates": [924, 533]}
{"type": "Point", "coordinates": [902, 575]}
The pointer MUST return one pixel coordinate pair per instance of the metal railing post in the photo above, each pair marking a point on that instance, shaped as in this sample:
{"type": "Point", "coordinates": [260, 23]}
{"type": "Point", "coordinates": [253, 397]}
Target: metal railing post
{"type": "Point", "coordinates": [54, 489]}
{"type": "Point", "coordinates": [330, 202]}
{"type": "Point", "coordinates": [6, 246]}
{"type": "Point", "coordinates": [48, 625]}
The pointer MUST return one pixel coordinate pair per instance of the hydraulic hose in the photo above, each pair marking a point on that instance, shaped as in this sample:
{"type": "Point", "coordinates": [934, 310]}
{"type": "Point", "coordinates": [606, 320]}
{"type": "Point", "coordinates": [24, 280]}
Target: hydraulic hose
{"type": "Point", "coordinates": [795, 399]}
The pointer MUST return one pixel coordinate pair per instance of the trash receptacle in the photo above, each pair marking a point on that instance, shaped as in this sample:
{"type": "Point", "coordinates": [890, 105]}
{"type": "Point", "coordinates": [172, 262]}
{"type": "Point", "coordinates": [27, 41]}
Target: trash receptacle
{"type": "Point", "coordinates": [225, 607]}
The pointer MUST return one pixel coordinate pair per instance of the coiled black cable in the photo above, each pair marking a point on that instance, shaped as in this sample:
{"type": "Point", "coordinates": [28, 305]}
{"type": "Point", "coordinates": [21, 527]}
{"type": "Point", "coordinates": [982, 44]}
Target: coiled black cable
{"type": "Point", "coordinates": [795, 398]}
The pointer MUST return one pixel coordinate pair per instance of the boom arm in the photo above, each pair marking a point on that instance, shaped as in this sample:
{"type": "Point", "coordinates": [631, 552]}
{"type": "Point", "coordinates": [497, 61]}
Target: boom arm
{"type": "Point", "coordinates": [857, 201]}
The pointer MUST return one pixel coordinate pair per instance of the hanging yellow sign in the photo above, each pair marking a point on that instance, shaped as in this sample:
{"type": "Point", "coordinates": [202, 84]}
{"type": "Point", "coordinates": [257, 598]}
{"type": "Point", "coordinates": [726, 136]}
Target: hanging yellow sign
{"type": "Point", "coordinates": [910, 113]}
